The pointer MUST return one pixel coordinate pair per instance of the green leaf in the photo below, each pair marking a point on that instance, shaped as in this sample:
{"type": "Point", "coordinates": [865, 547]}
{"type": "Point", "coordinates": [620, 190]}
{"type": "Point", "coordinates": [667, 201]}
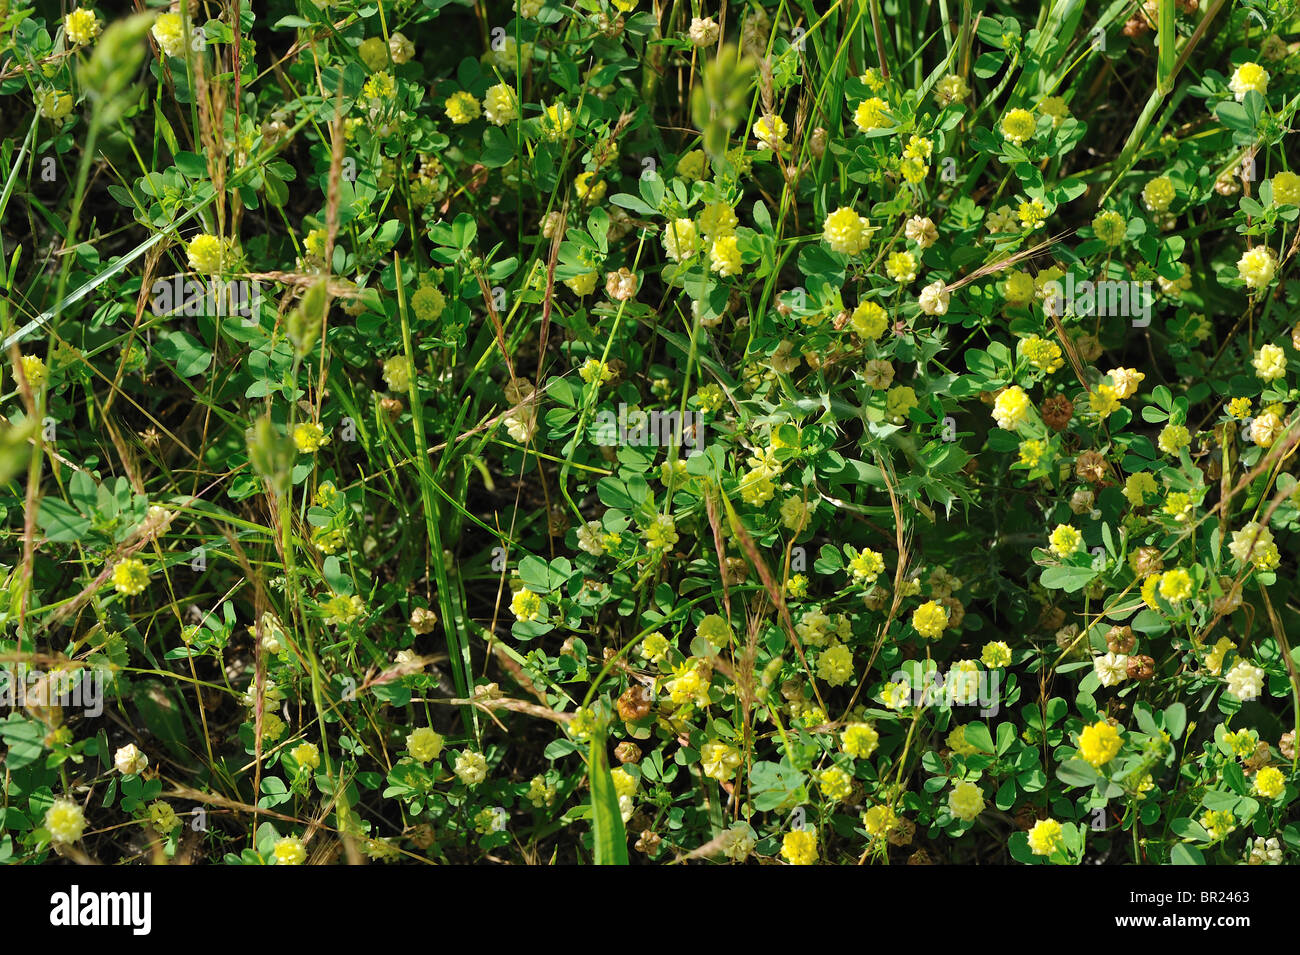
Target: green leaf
{"type": "Point", "coordinates": [1186, 855]}
{"type": "Point", "coordinates": [184, 351]}
{"type": "Point", "coordinates": [1075, 772]}
{"type": "Point", "coordinates": [1175, 719]}
{"type": "Point", "coordinates": [1067, 578]}
{"type": "Point", "coordinates": [60, 522]}
{"type": "Point", "coordinates": [610, 838]}
{"type": "Point", "coordinates": [977, 734]}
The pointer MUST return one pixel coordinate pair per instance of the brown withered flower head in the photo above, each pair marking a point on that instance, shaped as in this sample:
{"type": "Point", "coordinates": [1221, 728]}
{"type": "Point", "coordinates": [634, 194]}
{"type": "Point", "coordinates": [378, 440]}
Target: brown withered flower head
{"type": "Point", "coordinates": [634, 704]}
{"type": "Point", "coordinates": [627, 752]}
{"type": "Point", "coordinates": [1051, 618]}
{"type": "Point", "coordinates": [1146, 561]}
{"type": "Point", "coordinates": [1090, 466]}
{"type": "Point", "coordinates": [1141, 667]}
{"type": "Point", "coordinates": [1057, 410]}
{"type": "Point", "coordinates": [1120, 640]}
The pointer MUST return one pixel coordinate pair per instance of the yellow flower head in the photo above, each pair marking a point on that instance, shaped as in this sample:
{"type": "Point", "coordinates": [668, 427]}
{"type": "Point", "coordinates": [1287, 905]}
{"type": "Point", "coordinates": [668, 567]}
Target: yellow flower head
{"type": "Point", "coordinates": [966, 801]}
{"type": "Point", "coordinates": [1159, 194]}
{"type": "Point", "coordinates": [871, 113]}
{"type": "Point", "coordinates": [81, 26]}
{"type": "Point", "coordinates": [1018, 287]}
{"type": "Point", "coordinates": [310, 437]}
{"type": "Point", "coordinates": [34, 371]}
{"type": "Point", "coordinates": [169, 31]}
{"type": "Point", "coordinates": [1173, 438]}
{"type": "Point", "coordinates": [341, 610]}
{"type": "Point", "coordinates": [526, 605]}
{"type": "Point", "coordinates": [770, 131]}
{"type": "Point", "coordinates": [1043, 354]}
{"type": "Point", "coordinates": [500, 105]}
{"type": "Point", "coordinates": [866, 566]}
{"type": "Point", "coordinates": [1103, 401]}
{"type": "Point", "coordinates": [461, 107]}
{"type": "Point", "coordinates": [717, 219]}
{"type": "Point", "coordinates": [1110, 227]}
{"type": "Point", "coordinates": [1270, 783]}
{"type": "Point", "coordinates": [879, 820]}
{"type": "Point", "coordinates": [724, 256]}
{"type": "Point", "coordinates": [836, 785]}
{"type": "Point", "coordinates": [557, 122]}
{"type": "Point", "coordinates": [800, 847]}
{"type": "Point", "coordinates": [424, 744]}
{"type": "Point", "coordinates": [930, 619]}
{"type": "Point", "coordinates": [1175, 585]}
{"type": "Point", "coordinates": [1018, 125]}
{"type": "Point", "coordinates": [306, 754]}
{"type": "Point", "coordinates": [1011, 407]}
{"type": "Point", "coordinates": [859, 740]}
{"type": "Point", "coordinates": [289, 851]}
{"type": "Point", "coordinates": [65, 821]}
{"type": "Point", "coordinates": [1054, 106]}
{"type": "Point", "coordinates": [1125, 381]}
{"type": "Point", "coordinates": [901, 267]}
{"type": "Point", "coordinates": [1286, 189]}
{"type": "Point", "coordinates": [1256, 266]}
{"type": "Point", "coordinates": [382, 86]}
{"type": "Point", "coordinates": [1032, 214]}
{"type": "Point", "coordinates": [845, 231]}
{"type": "Point", "coordinates": [899, 400]}
{"type": "Point", "coordinates": [1270, 362]}
{"type": "Point", "coordinates": [1247, 77]}
{"type": "Point", "coordinates": [1099, 743]}
{"type": "Point", "coordinates": [1065, 540]}
{"type": "Point", "coordinates": [1045, 837]}
{"type": "Point", "coordinates": [130, 577]}
{"type": "Point", "coordinates": [996, 655]}
{"type": "Point", "coordinates": [206, 254]}
{"type": "Point", "coordinates": [869, 320]}
{"type": "Point", "coordinates": [719, 760]}
{"type": "Point", "coordinates": [951, 89]}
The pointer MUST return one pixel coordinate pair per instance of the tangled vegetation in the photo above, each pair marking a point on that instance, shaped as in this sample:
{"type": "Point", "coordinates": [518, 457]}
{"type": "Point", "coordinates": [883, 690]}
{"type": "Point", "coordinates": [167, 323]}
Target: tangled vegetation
{"type": "Point", "coordinates": [629, 431]}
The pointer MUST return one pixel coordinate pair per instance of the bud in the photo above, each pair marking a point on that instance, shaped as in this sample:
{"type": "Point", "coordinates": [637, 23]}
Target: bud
{"type": "Point", "coordinates": [734, 571]}
{"type": "Point", "coordinates": [634, 704]}
{"type": "Point", "coordinates": [1141, 667]}
{"type": "Point", "coordinates": [902, 833]}
{"type": "Point", "coordinates": [1120, 640]}
{"type": "Point", "coordinates": [1146, 561]}
{"type": "Point", "coordinates": [114, 64]}
{"type": "Point", "coordinates": [271, 453]}
{"type": "Point", "coordinates": [374, 53]}
{"type": "Point", "coordinates": [876, 597]}
{"type": "Point", "coordinates": [1090, 466]}
{"type": "Point", "coordinates": [956, 611]}
{"type": "Point", "coordinates": [621, 285]}
{"type": "Point", "coordinates": [648, 843]}
{"type": "Point", "coordinates": [423, 620]}
{"type": "Point", "coordinates": [1231, 598]}
{"type": "Point", "coordinates": [1081, 500]}
{"type": "Point", "coordinates": [129, 761]}
{"type": "Point", "coordinates": [306, 323]}
{"type": "Point", "coordinates": [817, 142]}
